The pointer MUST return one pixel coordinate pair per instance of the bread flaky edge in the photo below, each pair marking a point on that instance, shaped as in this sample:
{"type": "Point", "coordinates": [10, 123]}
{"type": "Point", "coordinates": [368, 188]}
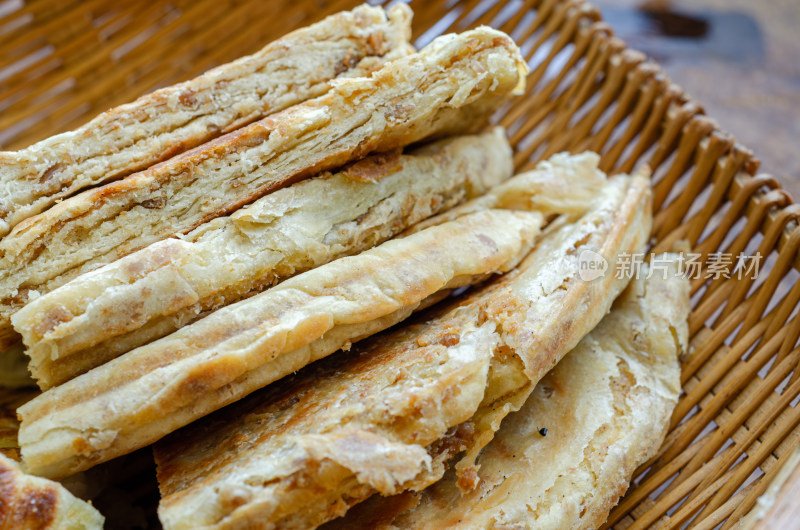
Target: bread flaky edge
{"type": "Point", "coordinates": [178, 379]}
{"type": "Point", "coordinates": [102, 218]}
{"type": "Point", "coordinates": [641, 382]}
{"type": "Point", "coordinates": [627, 231]}
{"type": "Point", "coordinates": [120, 293]}
{"type": "Point", "coordinates": [95, 153]}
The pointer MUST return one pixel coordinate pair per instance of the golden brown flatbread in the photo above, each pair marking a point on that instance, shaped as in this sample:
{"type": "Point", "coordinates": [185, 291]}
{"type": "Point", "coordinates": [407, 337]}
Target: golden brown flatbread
{"type": "Point", "coordinates": [563, 184]}
{"type": "Point", "coordinates": [450, 86]}
{"type": "Point", "coordinates": [134, 136]}
{"type": "Point", "coordinates": [33, 502]}
{"type": "Point", "coordinates": [387, 417]}
{"type": "Point", "coordinates": [566, 457]}
{"type": "Point", "coordinates": [28, 502]}
{"type": "Point", "coordinates": [154, 291]}
{"type": "Point", "coordinates": [149, 392]}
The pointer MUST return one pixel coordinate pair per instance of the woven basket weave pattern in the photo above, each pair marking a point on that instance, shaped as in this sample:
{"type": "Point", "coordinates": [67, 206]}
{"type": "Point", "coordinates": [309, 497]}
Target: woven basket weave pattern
{"type": "Point", "coordinates": [63, 62]}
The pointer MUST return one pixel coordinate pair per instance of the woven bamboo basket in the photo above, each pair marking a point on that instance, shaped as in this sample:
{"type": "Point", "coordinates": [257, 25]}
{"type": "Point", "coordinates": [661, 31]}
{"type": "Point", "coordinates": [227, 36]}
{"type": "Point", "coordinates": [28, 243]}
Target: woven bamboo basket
{"type": "Point", "coordinates": [63, 62]}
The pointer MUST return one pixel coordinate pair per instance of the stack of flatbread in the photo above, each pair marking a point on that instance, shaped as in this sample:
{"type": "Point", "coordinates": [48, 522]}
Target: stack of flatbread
{"type": "Point", "coordinates": [310, 280]}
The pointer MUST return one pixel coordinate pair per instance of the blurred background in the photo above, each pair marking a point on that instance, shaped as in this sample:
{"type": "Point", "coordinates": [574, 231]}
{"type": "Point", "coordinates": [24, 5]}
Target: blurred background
{"type": "Point", "coordinates": [62, 62]}
{"type": "Point", "coordinates": [739, 58]}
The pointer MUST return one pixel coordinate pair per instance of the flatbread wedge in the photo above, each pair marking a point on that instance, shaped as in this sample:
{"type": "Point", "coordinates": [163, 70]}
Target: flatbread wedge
{"type": "Point", "coordinates": [563, 184]}
{"type": "Point", "coordinates": [566, 457]}
{"type": "Point", "coordinates": [544, 307]}
{"type": "Point", "coordinates": [450, 86]}
{"type": "Point", "coordinates": [32, 502]}
{"type": "Point", "coordinates": [154, 291]}
{"type": "Point", "coordinates": [149, 392]}
{"type": "Point", "coordinates": [28, 502]}
{"type": "Point", "coordinates": [304, 450]}
{"type": "Point", "coordinates": [132, 137]}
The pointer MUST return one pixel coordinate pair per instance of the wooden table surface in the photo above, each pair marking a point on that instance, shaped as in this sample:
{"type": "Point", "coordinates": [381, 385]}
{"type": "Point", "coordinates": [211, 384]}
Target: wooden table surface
{"type": "Point", "coordinates": [740, 59]}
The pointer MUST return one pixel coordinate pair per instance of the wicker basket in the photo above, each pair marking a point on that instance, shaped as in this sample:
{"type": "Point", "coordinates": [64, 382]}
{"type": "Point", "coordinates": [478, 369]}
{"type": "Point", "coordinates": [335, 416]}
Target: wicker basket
{"type": "Point", "coordinates": [63, 62]}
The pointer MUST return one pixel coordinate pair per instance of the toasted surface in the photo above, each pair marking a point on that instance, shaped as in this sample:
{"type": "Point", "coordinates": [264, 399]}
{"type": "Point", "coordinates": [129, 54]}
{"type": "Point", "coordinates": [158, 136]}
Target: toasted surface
{"type": "Point", "coordinates": [544, 307]}
{"type": "Point", "coordinates": [151, 391]}
{"type": "Point", "coordinates": [152, 292]}
{"type": "Point", "coordinates": [435, 91]}
{"type": "Point", "coordinates": [229, 471]}
{"type": "Point", "coordinates": [563, 184]}
{"type": "Point", "coordinates": [131, 137]}
{"type": "Point", "coordinates": [28, 502]}
{"type": "Point", "coordinates": [606, 407]}
{"type": "Point", "coordinates": [299, 452]}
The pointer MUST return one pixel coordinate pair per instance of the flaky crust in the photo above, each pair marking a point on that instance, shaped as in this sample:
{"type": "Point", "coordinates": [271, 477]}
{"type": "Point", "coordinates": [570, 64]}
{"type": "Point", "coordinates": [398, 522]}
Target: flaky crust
{"type": "Point", "coordinates": [154, 291]}
{"type": "Point", "coordinates": [239, 446]}
{"type": "Point", "coordinates": [28, 502]}
{"type": "Point", "coordinates": [545, 307]}
{"type": "Point", "coordinates": [300, 452]}
{"type": "Point", "coordinates": [606, 407]}
{"type": "Point", "coordinates": [131, 137]}
{"type": "Point", "coordinates": [450, 86]}
{"type": "Point", "coordinates": [563, 184]}
{"type": "Point", "coordinates": [149, 392]}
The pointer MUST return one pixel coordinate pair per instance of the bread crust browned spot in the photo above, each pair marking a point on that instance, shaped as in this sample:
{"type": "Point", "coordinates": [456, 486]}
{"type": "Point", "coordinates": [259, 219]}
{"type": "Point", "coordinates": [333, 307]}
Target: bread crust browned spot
{"type": "Point", "coordinates": [376, 167]}
{"type": "Point", "coordinates": [32, 502]}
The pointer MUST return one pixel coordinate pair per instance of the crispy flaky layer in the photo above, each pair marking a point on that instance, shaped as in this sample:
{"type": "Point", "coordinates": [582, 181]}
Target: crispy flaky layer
{"type": "Point", "coordinates": [605, 408]}
{"type": "Point", "coordinates": [563, 184]}
{"type": "Point", "coordinates": [306, 449]}
{"type": "Point", "coordinates": [149, 392]}
{"type": "Point", "coordinates": [156, 290]}
{"type": "Point", "coordinates": [131, 137]}
{"type": "Point", "coordinates": [28, 502]}
{"type": "Point", "coordinates": [549, 303]}
{"type": "Point", "coordinates": [296, 454]}
{"type": "Point", "coordinates": [450, 86]}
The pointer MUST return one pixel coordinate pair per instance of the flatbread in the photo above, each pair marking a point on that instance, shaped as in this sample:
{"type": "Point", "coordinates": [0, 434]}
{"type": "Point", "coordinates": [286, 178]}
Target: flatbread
{"type": "Point", "coordinates": [564, 184]}
{"type": "Point", "coordinates": [566, 457]}
{"type": "Point", "coordinates": [32, 502]}
{"type": "Point", "coordinates": [152, 292]}
{"type": "Point", "coordinates": [296, 454]}
{"type": "Point", "coordinates": [450, 86]}
{"type": "Point", "coordinates": [549, 303]}
{"type": "Point", "coordinates": [134, 136]}
{"type": "Point", "coordinates": [387, 417]}
{"type": "Point", "coordinates": [149, 392]}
